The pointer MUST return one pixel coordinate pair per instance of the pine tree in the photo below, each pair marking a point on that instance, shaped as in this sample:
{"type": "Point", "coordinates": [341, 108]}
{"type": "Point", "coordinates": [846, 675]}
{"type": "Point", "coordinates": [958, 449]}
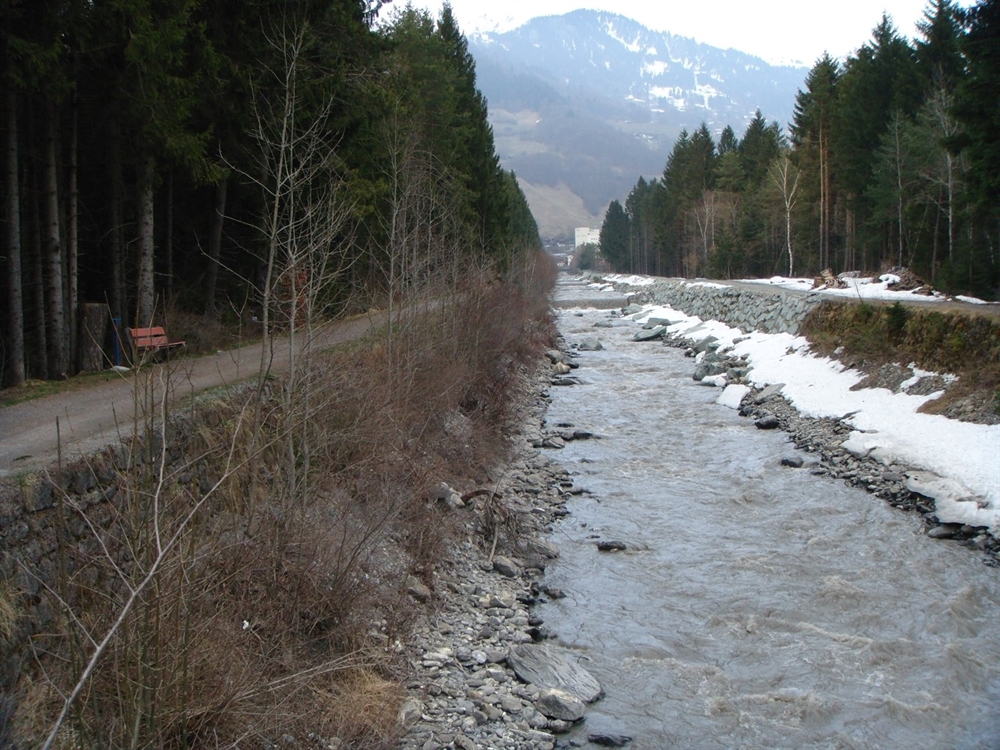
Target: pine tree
{"type": "Point", "coordinates": [615, 237]}
{"type": "Point", "coordinates": [879, 80]}
{"type": "Point", "coordinates": [811, 138]}
{"type": "Point", "coordinates": [158, 83]}
{"type": "Point", "coordinates": [939, 57]}
{"type": "Point", "coordinates": [978, 109]}
{"type": "Point", "coordinates": [759, 147]}
{"type": "Point", "coordinates": [641, 211]}
{"type": "Point", "coordinates": [14, 351]}
{"type": "Point", "coordinates": [728, 142]}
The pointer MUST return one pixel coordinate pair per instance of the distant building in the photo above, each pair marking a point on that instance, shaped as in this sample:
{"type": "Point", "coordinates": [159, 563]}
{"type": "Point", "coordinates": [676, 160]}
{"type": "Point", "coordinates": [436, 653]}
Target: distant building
{"type": "Point", "coordinates": [587, 236]}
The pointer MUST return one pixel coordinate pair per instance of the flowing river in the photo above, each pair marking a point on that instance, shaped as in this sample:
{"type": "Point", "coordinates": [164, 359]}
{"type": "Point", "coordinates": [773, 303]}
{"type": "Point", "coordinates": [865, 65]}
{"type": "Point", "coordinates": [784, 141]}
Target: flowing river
{"type": "Point", "coordinates": [757, 606]}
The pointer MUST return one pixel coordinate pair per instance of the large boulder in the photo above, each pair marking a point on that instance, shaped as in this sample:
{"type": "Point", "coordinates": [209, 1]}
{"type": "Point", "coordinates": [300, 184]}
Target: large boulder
{"type": "Point", "coordinates": [650, 335]}
{"type": "Point", "coordinates": [768, 393]}
{"type": "Point", "coordinates": [560, 704]}
{"type": "Point", "coordinates": [540, 665]}
{"type": "Point", "coordinates": [707, 344]}
{"type": "Point", "coordinates": [706, 369]}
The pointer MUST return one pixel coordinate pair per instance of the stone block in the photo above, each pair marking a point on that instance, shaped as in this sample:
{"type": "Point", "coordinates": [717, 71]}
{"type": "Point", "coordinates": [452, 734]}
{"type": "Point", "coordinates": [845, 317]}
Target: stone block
{"type": "Point", "coordinates": [36, 493]}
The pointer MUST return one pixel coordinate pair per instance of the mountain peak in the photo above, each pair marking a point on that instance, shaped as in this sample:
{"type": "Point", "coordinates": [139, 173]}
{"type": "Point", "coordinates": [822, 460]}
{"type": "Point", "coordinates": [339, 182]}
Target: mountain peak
{"type": "Point", "coordinates": [590, 100]}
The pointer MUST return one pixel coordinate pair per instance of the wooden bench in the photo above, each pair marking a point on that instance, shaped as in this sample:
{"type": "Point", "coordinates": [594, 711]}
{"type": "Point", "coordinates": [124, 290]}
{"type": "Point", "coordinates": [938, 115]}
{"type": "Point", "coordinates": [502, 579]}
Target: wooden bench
{"type": "Point", "coordinates": [153, 340]}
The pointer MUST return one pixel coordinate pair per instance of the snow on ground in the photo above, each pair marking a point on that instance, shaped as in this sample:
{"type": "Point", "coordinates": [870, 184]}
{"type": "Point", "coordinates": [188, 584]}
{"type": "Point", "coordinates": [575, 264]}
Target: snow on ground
{"type": "Point", "coordinates": [633, 280]}
{"type": "Point", "coordinates": [963, 458]}
{"type": "Point", "coordinates": [708, 284]}
{"type": "Point", "coordinates": [971, 300]}
{"type": "Point", "coordinates": [857, 288]}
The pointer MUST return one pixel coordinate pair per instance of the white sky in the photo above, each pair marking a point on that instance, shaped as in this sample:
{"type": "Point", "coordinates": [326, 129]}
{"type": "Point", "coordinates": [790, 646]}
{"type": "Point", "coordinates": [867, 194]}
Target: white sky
{"type": "Point", "coordinates": [779, 31]}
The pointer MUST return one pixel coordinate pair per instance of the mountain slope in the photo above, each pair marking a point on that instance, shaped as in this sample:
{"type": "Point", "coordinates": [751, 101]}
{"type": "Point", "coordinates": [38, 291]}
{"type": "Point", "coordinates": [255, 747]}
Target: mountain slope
{"type": "Point", "coordinates": [591, 100]}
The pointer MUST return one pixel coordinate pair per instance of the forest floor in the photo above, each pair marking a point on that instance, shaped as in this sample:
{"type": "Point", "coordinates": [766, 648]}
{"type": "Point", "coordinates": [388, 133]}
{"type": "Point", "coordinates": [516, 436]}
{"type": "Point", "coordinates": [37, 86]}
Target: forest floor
{"type": "Point", "coordinates": [79, 420]}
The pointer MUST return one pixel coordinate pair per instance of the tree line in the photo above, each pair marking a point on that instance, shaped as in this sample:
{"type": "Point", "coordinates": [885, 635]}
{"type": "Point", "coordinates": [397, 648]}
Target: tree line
{"type": "Point", "coordinates": [220, 157]}
{"type": "Point", "coordinates": [893, 159]}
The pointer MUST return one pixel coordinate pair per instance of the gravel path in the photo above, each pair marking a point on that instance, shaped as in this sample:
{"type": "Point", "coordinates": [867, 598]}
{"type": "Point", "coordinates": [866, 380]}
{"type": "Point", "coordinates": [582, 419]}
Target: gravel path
{"type": "Point", "coordinates": [92, 417]}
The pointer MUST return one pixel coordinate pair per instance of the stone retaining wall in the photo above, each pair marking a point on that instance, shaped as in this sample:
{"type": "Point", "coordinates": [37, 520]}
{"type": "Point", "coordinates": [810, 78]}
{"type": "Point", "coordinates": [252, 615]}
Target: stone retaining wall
{"type": "Point", "coordinates": [49, 521]}
{"type": "Point", "coordinates": [769, 309]}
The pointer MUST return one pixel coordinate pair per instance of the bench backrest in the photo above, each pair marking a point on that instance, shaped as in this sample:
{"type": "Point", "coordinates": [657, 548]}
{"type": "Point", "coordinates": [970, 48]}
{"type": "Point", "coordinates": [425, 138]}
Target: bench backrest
{"type": "Point", "coordinates": [145, 338]}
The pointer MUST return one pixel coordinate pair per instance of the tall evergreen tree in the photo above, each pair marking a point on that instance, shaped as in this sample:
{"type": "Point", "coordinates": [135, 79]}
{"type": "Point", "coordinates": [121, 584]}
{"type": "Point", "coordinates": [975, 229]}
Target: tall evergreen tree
{"type": "Point", "coordinates": [640, 207]}
{"type": "Point", "coordinates": [615, 237]}
{"type": "Point", "coordinates": [879, 80]}
{"type": "Point", "coordinates": [484, 175]}
{"type": "Point", "coordinates": [939, 57]}
{"type": "Point", "coordinates": [159, 86]}
{"type": "Point", "coordinates": [760, 145]}
{"type": "Point", "coordinates": [978, 107]}
{"type": "Point", "coordinates": [728, 142]}
{"type": "Point", "coordinates": [812, 137]}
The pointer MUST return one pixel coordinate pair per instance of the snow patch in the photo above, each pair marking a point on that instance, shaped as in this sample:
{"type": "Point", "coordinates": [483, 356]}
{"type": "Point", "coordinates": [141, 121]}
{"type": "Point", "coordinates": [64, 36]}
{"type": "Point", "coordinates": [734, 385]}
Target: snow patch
{"type": "Point", "coordinates": [733, 395]}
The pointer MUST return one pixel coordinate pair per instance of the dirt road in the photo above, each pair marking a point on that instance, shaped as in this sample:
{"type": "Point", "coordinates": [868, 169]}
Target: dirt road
{"type": "Point", "coordinates": [94, 417]}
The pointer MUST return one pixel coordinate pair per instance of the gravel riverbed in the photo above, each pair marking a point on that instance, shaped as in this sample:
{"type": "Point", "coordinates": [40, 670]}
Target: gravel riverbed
{"type": "Point", "coordinates": [463, 693]}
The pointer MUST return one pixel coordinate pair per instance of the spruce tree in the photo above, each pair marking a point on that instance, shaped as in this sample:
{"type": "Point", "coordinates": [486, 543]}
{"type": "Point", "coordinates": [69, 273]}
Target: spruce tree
{"type": "Point", "coordinates": [615, 233]}
{"type": "Point", "coordinates": [811, 138]}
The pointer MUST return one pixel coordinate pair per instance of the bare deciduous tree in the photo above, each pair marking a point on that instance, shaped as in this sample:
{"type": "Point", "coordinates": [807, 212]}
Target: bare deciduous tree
{"type": "Point", "coordinates": [785, 177]}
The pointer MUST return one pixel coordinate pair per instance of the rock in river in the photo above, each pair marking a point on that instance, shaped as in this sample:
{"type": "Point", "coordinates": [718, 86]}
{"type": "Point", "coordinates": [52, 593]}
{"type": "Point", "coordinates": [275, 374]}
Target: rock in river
{"type": "Point", "coordinates": [560, 704]}
{"type": "Point", "coordinates": [767, 422]}
{"type": "Point", "coordinates": [650, 335]}
{"type": "Point", "coordinates": [541, 666]}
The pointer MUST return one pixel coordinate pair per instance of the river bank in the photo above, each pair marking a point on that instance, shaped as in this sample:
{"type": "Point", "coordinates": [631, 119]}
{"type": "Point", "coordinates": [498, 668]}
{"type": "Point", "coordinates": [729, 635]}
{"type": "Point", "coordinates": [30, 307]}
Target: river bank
{"type": "Point", "coordinates": [465, 687]}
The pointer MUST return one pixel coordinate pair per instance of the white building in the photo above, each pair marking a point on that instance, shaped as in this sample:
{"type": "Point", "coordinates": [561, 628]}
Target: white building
{"type": "Point", "coordinates": [587, 236]}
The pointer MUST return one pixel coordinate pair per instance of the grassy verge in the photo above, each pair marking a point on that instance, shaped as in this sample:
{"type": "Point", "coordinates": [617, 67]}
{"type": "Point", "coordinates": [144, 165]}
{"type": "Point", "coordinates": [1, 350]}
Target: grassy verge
{"type": "Point", "coordinates": [868, 336]}
{"type": "Point", "coordinates": [250, 584]}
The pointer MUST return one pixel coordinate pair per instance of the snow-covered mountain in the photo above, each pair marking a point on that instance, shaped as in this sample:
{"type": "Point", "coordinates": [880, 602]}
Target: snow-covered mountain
{"type": "Point", "coordinates": [590, 100]}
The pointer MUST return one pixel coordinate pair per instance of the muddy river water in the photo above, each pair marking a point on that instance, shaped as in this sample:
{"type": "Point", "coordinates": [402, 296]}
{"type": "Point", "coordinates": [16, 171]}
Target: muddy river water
{"type": "Point", "coordinates": [757, 606]}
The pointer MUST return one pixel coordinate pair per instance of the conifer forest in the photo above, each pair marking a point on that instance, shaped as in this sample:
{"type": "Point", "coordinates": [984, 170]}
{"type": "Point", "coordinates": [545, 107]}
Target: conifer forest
{"type": "Point", "coordinates": [893, 159]}
{"type": "Point", "coordinates": [165, 158]}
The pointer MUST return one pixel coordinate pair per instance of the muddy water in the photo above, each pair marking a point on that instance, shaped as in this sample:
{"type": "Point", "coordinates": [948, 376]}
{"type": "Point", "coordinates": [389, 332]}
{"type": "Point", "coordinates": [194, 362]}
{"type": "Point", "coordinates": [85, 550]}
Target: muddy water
{"type": "Point", "coordinates": [758, 606]}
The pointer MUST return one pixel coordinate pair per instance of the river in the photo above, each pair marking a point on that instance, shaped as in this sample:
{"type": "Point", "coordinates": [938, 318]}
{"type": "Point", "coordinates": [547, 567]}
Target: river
{"type": "Point", "coordinates": [757, 606]}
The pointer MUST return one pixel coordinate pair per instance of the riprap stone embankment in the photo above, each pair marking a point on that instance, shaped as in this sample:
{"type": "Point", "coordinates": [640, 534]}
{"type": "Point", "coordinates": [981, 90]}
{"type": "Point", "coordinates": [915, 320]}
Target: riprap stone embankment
{"type": "Point", "coordinates": [769, 309]}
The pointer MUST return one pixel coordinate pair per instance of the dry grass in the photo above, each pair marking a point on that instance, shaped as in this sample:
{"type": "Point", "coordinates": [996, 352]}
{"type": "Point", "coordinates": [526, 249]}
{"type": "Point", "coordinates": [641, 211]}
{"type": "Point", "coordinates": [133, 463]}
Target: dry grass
{"type": "Point", "coordinates": [10, 610]}
{"type": "Point", "coordinates": [361, 709]}
{"type": "Point", "coordinates": [271, 614]}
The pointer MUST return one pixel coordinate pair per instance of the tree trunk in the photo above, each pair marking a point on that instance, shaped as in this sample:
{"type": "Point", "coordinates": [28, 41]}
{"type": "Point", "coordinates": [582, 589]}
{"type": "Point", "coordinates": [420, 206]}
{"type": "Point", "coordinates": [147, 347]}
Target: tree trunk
{"type": "Point", "coordinates": [168, 249]}
{"type": "Point", "coordinates": [824, 232]}
{"type": "Point", "coordinates": [94, 318]}
{"type": "Point", "coordinates": [144, 216]}
{"type": "Point", "coordinates": [40, 349]}
{"type": "Point", "coordinates": [12, 216]}
{"type": "Point", "coordinates": [117, 224]}
{"type": "Point", "coordinates": [951, 208]}
{"type": "Point", "coordinates": [899, 188]}
{"type": "Point", "coordinates": [58, 334]}
{"type": "Point", "coordinates": [72, 233]}
{"type": "Point", "coordinates": [215, 248]}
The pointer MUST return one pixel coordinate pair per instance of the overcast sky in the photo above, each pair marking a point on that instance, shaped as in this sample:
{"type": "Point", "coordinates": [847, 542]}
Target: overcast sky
{"type": "Point", "coordinates": [780, 31]}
